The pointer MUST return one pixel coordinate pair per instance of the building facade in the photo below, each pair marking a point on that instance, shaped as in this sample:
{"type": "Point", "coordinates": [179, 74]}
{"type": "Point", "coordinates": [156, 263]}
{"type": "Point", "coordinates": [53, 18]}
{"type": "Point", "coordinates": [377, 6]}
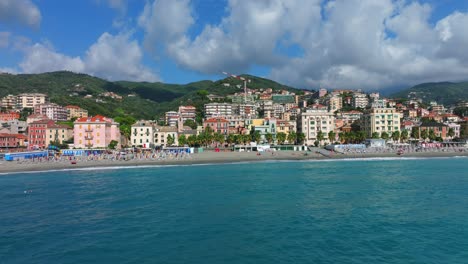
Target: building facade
{"type": "Point", "coordinates": [74, 111]}
{"type": "Point", "coordinates": [37, 134]}
{"type": "Point", "coordinates": [217, 124]}
{"type": "Point", "coordinates": [142, 134]}
{"type": "Point", "coordinates": [30, 100]}
{"type": "Point", "coordinates": [313, 120]}
{"type": "Point", "coordinates": [218, 110]}
{"type": "Point", "coordinates": [380, 120]}
{"type": "Point", "coordinates": [95, 132]}
{"type": "Point", "coordinates": [52, 111]}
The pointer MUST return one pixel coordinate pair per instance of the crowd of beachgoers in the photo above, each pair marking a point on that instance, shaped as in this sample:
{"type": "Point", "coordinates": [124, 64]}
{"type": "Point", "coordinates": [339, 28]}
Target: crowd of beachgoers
{"type": "Point", "coordinates": [113, 156]}
{"type": "Point", "coordinates": [405, 149]}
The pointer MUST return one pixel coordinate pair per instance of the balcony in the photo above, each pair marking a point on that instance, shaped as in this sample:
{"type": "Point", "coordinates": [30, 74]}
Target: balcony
{"type": "Point", "coordinates": [89, 129]}
{"type": "Point", "coordinates": [89, 145]}
{"type": "Point", "coordinates": [89, 137]}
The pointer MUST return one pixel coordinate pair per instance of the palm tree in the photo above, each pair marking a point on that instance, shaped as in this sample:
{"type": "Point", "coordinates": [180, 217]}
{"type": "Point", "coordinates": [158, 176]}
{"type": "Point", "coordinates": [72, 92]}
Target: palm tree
{"type": "Point", "coordinates": [300, 138]}
{"type": "Point", "coordinates": [256, 136]}
{"type": "Point", "coordinates": [281, 137]}
{"type": "Point", "coordinates": [342, 137]}
{"type": "Point", "coordinates": [331, 136]}
{"type": "Point", "coordinates": [415, 132]}
{"type": "Point", "coordinates": [424, 134]}
{"type": "Point", "coordinates": [320, 137]}
{"type": "Point", "coordinates": [451, 133]}
{"type": "Point", "coordinates": [404, 135]}
{"type": "Point", "coordinates": [231, 138]}
{"type": "Point", "coordinates": [432, 136]}
{"type": "Point", "coordinates": [269, 137]}
{"type": "Point", "coordinates": [292, 136]}
{"type": "Point", "coordinates": [385, 136]}
{"type": "Point", "coordinates": [375, 135]}
{"type": "Point", "coordinates": [361, 136]}
{"type": "Point", "coordinates": [396, 135]}
{"type": "Point", "coordinates": [170, 140]}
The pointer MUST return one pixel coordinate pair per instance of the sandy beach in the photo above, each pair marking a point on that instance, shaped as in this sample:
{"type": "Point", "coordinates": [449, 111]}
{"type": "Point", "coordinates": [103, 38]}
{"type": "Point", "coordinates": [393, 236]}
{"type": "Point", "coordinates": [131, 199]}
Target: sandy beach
{"type": "Point", "coordinates": [7, 167]}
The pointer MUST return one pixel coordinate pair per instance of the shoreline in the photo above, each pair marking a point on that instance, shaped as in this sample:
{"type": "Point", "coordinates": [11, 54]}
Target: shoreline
{"type": "Point", "coordinates": [207, 158]}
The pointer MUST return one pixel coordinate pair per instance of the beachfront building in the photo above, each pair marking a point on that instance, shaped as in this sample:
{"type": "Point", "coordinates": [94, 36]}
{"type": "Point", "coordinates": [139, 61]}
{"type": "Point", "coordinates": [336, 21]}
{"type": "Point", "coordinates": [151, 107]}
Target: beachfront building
{"type": "Point", "coordinates": [37, 134]}
{"type": "Point", "coordinates": [30, 100]}
{"type": "Point", "coordinates": [74, 111]}
{"type": "Point", "coordinates": [52, 111]}
{"type": "Point", "coordinates": [440, 130]}
{"type": "Point", "coordinates": [12, 140]}
{"type": "Point", "coordinates": [218, 110]}
{"type": "Point", "coordinates": [264, 127]}
{"type": "Point", "coordinates": [165, 136]}
{"type": "Point", "coordinates": [58, 134]}
{"type": "Point", "coordinates": [380, 120]}
{"type": "Point", "coordinates": [285, 126]}
{"type": "Point", "coordinates": [95, 132]}
{"type": "Point", "coordinates": [217, 124]}
{"type": "Point", "coordinates": [313, 120]}
{"type": "Point", "coordinates": [142, 134]}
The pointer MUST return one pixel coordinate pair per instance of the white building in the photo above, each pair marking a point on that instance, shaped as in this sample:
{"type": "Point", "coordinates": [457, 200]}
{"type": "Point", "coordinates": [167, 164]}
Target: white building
{"type": "Point", "coordinates": [30, 100]}
{"type": "Point", "coordinates": [313, 120]}
{"type": "Point", "coordinates": [52, 111]}
{"type": "Point", "coordinates": [142, 134]}
{"type": "Point", "coordinates": [360, 100]}
{"type": "Point", "coordinates": [380, 120]}
{"type": "Point", "coordinates": [172, 118]}
{"type": "Point", "coordinates": [218, 110]}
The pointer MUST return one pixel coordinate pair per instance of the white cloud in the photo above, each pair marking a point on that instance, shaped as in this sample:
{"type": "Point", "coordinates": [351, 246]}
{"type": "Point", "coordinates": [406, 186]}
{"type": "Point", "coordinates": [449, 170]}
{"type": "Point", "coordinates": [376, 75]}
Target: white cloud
{"type": "Point", "coordinates": [117, 58]}
{"type": "Point", "coordinates": [20, 11]}
{"type": "Point", "coordinates": [4, 39]}
{"type": "Point", "coordinates": [343, 43]}
{"type": "Point", "coordinates": [111, 57]}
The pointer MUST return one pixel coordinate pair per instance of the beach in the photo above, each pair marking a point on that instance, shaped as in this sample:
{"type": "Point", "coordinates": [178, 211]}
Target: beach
{"type": "Point", "coordinates": [208, 157]}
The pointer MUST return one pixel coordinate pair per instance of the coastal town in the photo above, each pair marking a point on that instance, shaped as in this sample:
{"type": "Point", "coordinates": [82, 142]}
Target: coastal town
{"type": "Point", "coordinates": [249, 120]}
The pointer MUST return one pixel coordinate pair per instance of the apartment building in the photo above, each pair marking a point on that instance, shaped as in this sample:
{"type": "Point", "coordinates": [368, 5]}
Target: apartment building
{"type": "Point", "coordinates": [142, 134]}
{"type": "Point", "coordinates": [58, 133]}
{"type": "Point", "coordinates": [314, 119]}
{"type": "Point", "coordinates": [30, 100]}
{"type": "Point", "coordinates": [9, 102]}
{"type": "Point", "coordinates": [380, 120]}
{"type": "Point", "coordinates": [187, 113]}
{"type": "Point", "coordinates": [95, 132]}
{"type": "Point", "coordinates": [218, 110]}
{"type": "Point", "coordinates": [172, 118]}
{"type": "Point", "coordinates": [217, 124]}
{"type": "Point", "coordinates": [52, 111]}
{"type": "Point", "coordinates": [360, 100]}
{"type": "Point", "coordinates": [74, 111]}
{"type": "Point", "coordinates": [37, 134]}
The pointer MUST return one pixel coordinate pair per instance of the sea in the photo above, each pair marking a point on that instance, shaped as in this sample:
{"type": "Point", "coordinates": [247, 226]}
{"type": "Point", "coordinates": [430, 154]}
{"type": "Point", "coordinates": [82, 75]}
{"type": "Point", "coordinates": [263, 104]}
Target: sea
{"type": "Point", "coordinates": [400, 210]}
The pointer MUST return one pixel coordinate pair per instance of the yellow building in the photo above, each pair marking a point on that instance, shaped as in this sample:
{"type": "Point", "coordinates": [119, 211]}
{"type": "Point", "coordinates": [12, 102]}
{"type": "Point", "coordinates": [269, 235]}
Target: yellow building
{"type": "Point", "coordinates": [74, 111]}
{"type": "Point", "coordinates": [380, 120]}
{"type": "Point", "coordinates": [58, 133]}
{"type": "Point", "coordinates": [30, 100]}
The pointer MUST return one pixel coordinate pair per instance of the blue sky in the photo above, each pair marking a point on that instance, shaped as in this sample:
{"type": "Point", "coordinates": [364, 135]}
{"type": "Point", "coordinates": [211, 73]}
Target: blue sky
{"type": "Point", "coordinates": [308, 44]}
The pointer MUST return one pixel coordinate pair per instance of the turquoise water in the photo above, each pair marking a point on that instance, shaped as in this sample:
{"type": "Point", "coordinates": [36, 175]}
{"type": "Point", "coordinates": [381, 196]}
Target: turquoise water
{"type": "Point", "coordinates": [383, 211]}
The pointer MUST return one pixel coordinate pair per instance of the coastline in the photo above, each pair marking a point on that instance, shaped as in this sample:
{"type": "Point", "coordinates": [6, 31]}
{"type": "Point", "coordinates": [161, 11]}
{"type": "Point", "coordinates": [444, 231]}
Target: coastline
{"type": "Point", "coordinates": [210, 158]}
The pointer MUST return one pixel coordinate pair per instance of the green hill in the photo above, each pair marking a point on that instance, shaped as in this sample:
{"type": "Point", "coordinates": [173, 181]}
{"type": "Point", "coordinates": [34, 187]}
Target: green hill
{"type": "Point", "coordinates": [446, 93]}
{"type": "Point", "coordinates": [146, 100]}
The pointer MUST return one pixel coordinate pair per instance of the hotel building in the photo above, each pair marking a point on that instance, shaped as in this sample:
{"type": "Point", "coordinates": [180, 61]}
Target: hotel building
{"type": "Point", "coordinates": [95, 132]}
{"type": "Point", "coordinates": [380, 120]}
{"type": "Point", "coordinates": [314, 119]}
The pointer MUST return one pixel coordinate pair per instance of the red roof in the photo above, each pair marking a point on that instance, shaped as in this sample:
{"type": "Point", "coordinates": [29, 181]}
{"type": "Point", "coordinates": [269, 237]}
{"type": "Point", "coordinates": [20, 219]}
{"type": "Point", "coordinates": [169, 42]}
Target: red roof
{"type": "Point", "coordinates": [72, 106]}
{"type": "Point", "coordinates": [214, 119]}
{"type": "Point", "coordinates": [96, 118]}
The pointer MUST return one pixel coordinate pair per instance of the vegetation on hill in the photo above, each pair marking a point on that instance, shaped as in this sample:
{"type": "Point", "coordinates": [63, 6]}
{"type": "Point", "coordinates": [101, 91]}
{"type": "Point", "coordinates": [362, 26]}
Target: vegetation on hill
{"type": "Point", "coordinates": [141, 100]}
{"type": "Point", "coordinates": [446, 93]}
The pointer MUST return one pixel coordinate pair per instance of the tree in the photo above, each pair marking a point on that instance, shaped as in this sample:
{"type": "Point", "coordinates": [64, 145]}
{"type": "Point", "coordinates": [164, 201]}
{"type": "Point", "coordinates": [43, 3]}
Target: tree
{"type": "Point", "coordinates": [125, 123]}
{"type": "Point", "coordinates": [190, 123]}
{"type": "Point", "coordinates": [113, 144]}
{"type": "Point", "coordinates": [385, 135]}
{"type": "Point", "coordinates": [375, 135]}
{"type": "Point", "coordinates": [331, 136]}
{"type": "Point", "coordinates": [281, 137]}
{"type": "Point", "coordinates": [342, 137]}
{"type": "Point", "coordinates": [192, 140]}
{"type": "Point", "coordinates": [404, 135]}
{"type": "Point", "coordinates": [424, 134]}
{"type": "Point", "coordinates": [182, 140]}
{"type": "Point", "coordinates": [301, 138]}
{"type": "Point", "coordinates": [320, 136]}
{"type": "Point", "coordinates": [170, 140]}
{"type": "Point", "coordinates": [432, 136]}
{"type": "Point", "coordinates": [415, 132]}
{"type": "Point", "coordinates": [231, 138]}
{"type": "Point", "coordinates": [256, 136]}
{"type": "Point", "coordinates": [218, 137]}
{"type": "Point", "coordinates": [451, 133]}
{"type": "Point", "coordinates": [269, 137]}
{"type": "Point", "coordinates": [360, 136]}
{"type": "Point", "coordinates": [396, 135]}
{"type": "Point", "coordinates": [292, 136]}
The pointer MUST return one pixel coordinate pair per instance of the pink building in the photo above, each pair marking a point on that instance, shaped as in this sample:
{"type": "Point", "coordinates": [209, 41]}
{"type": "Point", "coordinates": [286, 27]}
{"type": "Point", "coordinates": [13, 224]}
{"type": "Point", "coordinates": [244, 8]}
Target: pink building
{"type": "Point", "coordinates": [37, 134]}
{"type": "Point", "coordinates": [95, 132]}
{"type": "Point", "coordinates": [9, 116]}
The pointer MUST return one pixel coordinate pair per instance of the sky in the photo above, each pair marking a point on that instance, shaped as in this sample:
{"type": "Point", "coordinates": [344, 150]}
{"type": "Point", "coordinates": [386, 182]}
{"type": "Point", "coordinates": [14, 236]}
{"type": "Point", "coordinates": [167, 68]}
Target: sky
{"type": "Point", "coordinates": [334, 44]}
